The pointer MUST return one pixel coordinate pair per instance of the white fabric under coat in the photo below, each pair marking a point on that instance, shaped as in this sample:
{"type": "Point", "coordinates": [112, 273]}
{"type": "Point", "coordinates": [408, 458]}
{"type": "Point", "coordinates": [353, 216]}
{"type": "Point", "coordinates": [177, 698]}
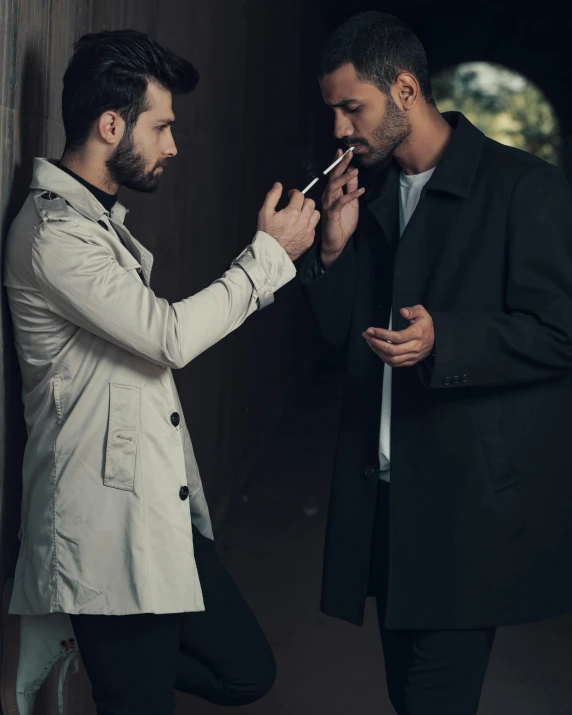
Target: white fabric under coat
{"type": "Point", "coordinates": [410, 188]}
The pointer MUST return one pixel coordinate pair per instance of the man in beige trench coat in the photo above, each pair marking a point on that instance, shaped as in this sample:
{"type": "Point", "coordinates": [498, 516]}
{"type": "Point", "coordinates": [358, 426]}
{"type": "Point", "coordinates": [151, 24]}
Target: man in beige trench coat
{"type": "Point", "coordinates": [116, 540]}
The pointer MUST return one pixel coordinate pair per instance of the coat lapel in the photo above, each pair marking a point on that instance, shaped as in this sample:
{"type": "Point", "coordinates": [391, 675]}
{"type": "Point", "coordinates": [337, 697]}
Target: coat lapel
{"type": "Point", "coordinates": [146, 259]}
{"type": "Point", "coordinates": [141, 254]}
{"type": "Point", "coordinates": [426, 245]}
{"type": "Point", "coordinates": [383, 205]}
{"type": "Point", "coordinates": [434, 224]}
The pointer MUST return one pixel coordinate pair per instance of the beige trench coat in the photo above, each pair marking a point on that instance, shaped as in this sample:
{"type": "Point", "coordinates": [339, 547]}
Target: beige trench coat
{"type": "Point", "coordinates": [105, 523]}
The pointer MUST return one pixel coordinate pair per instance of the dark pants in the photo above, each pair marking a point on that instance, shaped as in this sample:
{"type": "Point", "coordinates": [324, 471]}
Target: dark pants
{"type": "Point", "coordinates": [136, 662]}
{"type": "Point", "coordinates": [427, 672]}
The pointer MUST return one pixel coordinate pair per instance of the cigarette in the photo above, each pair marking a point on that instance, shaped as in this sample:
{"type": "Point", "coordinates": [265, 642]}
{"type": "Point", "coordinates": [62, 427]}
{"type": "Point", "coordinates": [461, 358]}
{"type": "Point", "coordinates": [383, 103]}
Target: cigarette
{"type": "Point", "coordinates": [337, 161]}
{"type": "Point", "coordinates": [327, 171]}
{"type": "Point", "coordinates": [311, 184]}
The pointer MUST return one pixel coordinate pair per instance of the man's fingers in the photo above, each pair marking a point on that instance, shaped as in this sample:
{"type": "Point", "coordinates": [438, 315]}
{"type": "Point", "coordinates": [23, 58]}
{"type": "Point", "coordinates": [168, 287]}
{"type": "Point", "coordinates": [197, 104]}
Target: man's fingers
{"type": "Point", "coordinates": [296, 200]}
{"type": "Point", "coordinates": [314, 219]}
{"type": "Point", "coordinates": [272, 199]}
{"type": "Point", "coordinates": [308, 208]}
{"type": "Point", "coordinates": [341, 181]}
{"type": "Point", "coordinates": [348, 198]}
{"type": "Point", "coordinates": [389, 350]}
{"type": "Point", "coordinates": [414, 312]}
{"type": "Point", "coordinates": [352, 184]}
{"type": "Point", "coordinates": [394, 336]}
{"type": "Point", "coordinates": [342, 166]}
{"type": "Point", "coordinates": [405, 360]}
{"type": "Point", "coordinates": [332, 197]}
{"type": "Point", "coordinates": [335, 172]}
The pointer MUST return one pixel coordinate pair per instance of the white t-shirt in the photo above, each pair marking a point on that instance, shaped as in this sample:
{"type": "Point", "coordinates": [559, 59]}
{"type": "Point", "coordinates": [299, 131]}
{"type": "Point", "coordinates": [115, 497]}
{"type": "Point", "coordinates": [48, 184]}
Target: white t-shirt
{"type": "Point", "coordinates": [409, 193]}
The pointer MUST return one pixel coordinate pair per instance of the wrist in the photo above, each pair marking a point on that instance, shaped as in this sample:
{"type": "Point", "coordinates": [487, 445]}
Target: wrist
{"type": "Point", "coordinates": [328, 258]}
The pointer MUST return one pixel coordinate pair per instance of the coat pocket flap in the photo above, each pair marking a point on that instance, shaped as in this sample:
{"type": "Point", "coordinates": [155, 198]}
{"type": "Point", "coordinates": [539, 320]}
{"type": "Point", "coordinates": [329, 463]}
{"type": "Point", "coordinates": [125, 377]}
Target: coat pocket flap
{"type": "Point", "coordinates": [122, 436]}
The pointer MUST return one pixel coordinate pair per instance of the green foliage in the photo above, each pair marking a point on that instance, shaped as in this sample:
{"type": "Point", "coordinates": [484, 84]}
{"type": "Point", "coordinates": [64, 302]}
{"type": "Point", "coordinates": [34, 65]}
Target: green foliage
{"type": "Point", "coordinates": [503, 105]}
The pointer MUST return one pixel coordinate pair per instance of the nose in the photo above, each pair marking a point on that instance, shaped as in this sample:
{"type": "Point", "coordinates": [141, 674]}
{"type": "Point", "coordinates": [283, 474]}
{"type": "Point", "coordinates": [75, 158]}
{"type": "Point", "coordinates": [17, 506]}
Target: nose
{"type": "Point", "coordinates": [342, 127]}
{"type": "Point", "coordinates": [171, 150]}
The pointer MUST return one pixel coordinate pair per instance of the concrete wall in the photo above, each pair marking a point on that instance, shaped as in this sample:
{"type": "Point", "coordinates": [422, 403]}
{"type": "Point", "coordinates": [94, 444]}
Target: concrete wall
{"type": "Point", "coordinates": [240, 131]}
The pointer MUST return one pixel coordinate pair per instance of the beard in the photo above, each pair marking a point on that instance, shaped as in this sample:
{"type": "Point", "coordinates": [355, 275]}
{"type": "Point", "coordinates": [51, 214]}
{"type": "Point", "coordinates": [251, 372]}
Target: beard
{"type": "Point", "coordinates": [391, 133]}
{"type": "Point", "coordinates": [127, 167]}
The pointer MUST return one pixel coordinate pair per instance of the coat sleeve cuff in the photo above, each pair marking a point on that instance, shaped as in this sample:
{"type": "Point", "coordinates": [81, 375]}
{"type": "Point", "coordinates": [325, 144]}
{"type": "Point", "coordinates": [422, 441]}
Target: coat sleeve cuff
{"type": "Point", "coordinates": [444, 368]}
{"type": "Point", "coordinates": [267, 265]}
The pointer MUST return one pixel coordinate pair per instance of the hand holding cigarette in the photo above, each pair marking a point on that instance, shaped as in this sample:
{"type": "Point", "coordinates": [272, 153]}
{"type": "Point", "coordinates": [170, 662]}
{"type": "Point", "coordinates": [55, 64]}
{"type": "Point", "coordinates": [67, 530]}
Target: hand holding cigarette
{"type": "Point", "coordinates": [340, 208]}
{"type": "Point", "coordinates": [294, 227]}
{"type": "Point", "coordinates": [327, 171]}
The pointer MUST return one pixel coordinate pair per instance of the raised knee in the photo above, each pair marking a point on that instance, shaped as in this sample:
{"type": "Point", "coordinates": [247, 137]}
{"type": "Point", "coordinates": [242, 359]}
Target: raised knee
{"type": "Point", "coordinates": [253, 689]}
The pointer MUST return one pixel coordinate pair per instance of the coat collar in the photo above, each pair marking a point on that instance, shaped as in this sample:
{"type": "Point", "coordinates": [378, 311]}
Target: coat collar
{"type": "Point", "coordinates": [453, 175]}
{"type": "Point", "coordinates": [456, 171]}
{"type": "Point", "coordinates": [48, 176]}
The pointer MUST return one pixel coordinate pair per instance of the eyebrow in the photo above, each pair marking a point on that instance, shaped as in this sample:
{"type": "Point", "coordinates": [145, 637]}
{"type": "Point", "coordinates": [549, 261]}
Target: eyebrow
{"type": "Point", "coordinates": [168, 122]}
{"type": "Point", "coordinates": [345, 102]}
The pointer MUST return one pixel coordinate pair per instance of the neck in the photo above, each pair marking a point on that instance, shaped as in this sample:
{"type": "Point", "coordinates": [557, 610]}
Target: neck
{"type": "Point", "coordinates": [91, 171]}
{"type": "Point", "coordinates": [423, 149]}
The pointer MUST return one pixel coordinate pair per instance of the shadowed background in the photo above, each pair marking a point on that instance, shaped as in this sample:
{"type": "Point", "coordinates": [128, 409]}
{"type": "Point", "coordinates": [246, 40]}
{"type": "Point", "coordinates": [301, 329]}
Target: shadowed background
{"type": "Point", "coordinates": [262, 422]}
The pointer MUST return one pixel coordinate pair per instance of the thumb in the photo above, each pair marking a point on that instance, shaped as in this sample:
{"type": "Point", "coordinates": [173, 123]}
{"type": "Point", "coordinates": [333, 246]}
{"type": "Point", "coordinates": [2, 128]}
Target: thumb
{"type": "Point", "coordinates": [413, 313]}
{"type": "Point", "coordinates": [272, 199]}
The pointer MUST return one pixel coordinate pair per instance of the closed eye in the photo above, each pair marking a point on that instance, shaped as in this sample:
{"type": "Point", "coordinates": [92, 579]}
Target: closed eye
{"type": "Point", "coordinates": [162, 124]}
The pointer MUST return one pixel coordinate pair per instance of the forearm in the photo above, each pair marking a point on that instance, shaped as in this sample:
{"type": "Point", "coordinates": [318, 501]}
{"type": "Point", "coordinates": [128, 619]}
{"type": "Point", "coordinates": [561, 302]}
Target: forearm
{"type": "Point", "coordinates": [84, 284]}
{"type": "Point", "coordinates": [488, 349]}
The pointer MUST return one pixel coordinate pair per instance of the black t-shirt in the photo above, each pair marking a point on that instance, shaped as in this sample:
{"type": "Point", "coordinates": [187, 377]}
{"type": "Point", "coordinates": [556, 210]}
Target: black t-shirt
{"type": "Point", "coordinates": [106, 200]}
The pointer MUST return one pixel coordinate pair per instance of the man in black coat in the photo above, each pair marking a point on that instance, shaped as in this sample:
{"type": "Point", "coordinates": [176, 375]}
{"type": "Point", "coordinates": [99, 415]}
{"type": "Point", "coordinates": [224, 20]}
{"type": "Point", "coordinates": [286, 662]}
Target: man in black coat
{"type": "Point", "coordinates": [448, 282]}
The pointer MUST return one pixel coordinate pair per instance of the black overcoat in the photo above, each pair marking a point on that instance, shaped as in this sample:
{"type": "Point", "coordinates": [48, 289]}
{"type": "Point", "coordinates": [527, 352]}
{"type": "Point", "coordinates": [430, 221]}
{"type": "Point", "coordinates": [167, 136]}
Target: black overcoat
{"type": "Point", "coordinates": [481, 434]}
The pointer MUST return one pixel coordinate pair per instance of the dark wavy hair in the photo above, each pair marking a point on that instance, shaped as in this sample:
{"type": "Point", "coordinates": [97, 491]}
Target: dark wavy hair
{"type": "Point", "coordinates": [110, 70]}
{"type": "Point", "coordinates": [379, 46]}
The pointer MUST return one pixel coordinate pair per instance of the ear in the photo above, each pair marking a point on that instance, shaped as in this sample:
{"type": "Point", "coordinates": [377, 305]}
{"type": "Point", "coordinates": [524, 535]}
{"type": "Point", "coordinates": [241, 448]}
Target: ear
{"type": "Point", "coordinates": [406, 91]}
{"type": "Point", "coordinates": [110, 127]}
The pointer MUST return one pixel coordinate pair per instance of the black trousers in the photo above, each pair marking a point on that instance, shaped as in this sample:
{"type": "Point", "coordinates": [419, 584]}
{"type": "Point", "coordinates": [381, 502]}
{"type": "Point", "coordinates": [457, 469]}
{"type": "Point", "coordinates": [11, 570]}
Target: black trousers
{"type": "Point", "coordinates": [135, 663]}
{"type": "Point", "coordinates": [427, 672]}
